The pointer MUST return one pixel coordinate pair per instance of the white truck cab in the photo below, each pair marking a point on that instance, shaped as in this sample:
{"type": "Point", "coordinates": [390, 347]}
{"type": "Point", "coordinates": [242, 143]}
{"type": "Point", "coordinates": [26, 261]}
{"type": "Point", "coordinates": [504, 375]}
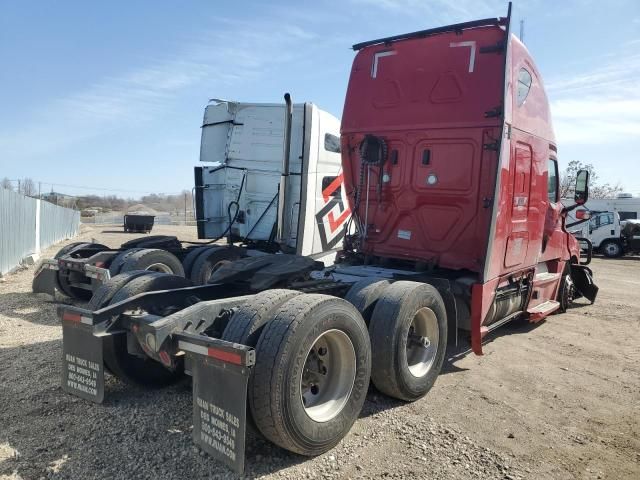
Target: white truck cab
{"type": "Point", "coordinates": [253, 174]}
{"type": "Point", "coordinates": [604, 231]}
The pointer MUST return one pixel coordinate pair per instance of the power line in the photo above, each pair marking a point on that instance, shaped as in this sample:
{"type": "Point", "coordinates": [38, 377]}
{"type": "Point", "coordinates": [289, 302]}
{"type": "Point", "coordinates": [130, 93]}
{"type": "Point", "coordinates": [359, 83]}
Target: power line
{"type": "Point", "coordinates": [102, 189]}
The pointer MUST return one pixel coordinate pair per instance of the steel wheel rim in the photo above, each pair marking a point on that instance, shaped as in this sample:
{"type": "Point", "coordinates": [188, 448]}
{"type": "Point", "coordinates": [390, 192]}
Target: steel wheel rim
{"type": "Point", "coordinates": [328, 375]}
{"type": "Point", "coordinates": [612, 249]}
{"type": "Point", "coordinates": [569, 290]}
{"type": "Point", "coordinates": [422, 342]}
{"type": "Point", "coordinates": [159, 267]}
{"type": "Point", "coordinates": [219, 265]}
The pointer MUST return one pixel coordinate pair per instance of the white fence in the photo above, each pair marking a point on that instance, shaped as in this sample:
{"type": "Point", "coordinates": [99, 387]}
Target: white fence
{"type": "Point", "coordinates": [28, 225]}
{"type": "Point", "coordinates": [117, 218]}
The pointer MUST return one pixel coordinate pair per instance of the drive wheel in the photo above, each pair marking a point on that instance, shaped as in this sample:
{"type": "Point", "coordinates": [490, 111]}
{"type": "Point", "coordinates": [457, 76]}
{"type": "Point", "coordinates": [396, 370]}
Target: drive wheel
{"type": "Point", "coordinates": [310, 380]}
{"type": "Point", "coordinates": [364, 295]}
{"type": "Point", "coordinates": [408, 333]}
{"type": "Point", "coordinates": [247, 322]}
{"type": "Point", "coordinates": [611, 249]}
{"type": "Point", "coordinates": [120, 259]}
{"type": "Point", "coordinates": [67, 248]}
{"type": "Point", "coordinates": [211, 260]}
{"type": "Point", "coordinates": [103, 295]}
{"type": "Point", "coordinates": [190, 257]}
{"type": "Point", "coordinates": [141, 370]}
{"type": "Point", "coordinates": [154, 260]}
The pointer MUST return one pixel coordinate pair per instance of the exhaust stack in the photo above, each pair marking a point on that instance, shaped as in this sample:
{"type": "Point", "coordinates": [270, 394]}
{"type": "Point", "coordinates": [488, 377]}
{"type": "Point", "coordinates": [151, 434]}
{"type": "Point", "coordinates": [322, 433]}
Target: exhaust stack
{"type": "Point", "coordinates": [282, 189]}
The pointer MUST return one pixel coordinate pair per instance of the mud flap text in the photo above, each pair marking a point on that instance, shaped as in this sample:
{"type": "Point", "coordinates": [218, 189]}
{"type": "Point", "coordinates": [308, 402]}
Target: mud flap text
{"type": "Point", "coordinates": [82, 366]}
{"type": "Point", "coordinates": [219, 410]}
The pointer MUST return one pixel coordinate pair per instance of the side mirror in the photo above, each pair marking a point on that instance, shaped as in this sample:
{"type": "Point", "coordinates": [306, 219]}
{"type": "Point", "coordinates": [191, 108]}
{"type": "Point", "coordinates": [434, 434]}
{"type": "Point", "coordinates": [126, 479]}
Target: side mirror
{"type": "Point", "coordinates": [583, 214]}
{"type": "Point", "coordinates": [582, 187]}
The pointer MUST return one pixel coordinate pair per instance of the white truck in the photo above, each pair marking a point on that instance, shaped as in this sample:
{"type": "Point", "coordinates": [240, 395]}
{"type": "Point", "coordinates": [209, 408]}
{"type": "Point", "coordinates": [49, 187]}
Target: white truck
{"type": "Point", "coordinates": [602, 229]}
{"type": "Point", "coordinates": [270, 182]}
{"type": "Point", "coordinates": [627, 206]}
{"type": "Point", "coordinates": [608, 234]}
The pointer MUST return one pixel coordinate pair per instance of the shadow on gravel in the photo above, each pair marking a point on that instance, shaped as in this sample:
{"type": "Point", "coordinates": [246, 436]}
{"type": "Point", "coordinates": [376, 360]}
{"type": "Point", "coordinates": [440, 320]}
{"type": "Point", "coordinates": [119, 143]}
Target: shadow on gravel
{"type": "Point", "coordinates": [515, 327]}
{"type": "Point", "coordinates": [36, 308]}
{"type": "Point", "coordinates": [627, 258]}
{"type": "Point", "coordinates": [135, 433]}
{"type": "Point", "coordinates": [635, 258]}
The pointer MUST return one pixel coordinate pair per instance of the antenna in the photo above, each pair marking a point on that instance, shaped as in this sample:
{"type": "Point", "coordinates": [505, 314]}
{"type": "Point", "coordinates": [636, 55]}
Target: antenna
{"type": "Point", "coordinates": [522, 30]}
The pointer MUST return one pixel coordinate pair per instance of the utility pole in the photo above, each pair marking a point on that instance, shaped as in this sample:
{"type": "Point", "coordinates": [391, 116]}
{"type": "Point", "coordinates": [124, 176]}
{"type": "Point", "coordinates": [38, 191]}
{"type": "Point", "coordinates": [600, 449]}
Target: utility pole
{"type": "Point", "coordinates": [522, 30]}
{"type": "Point", "coordinates": [40, 190]}
{"type": "Point", "coordinates": [185, 208]}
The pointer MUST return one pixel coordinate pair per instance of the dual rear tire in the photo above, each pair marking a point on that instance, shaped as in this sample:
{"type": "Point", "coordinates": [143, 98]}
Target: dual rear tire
{"type": "Point", "coordinates": [135, 369]}
{"type": "Point", "coordinates": [315, 356]}
{"type": "Point", "coordinates": [313, 363]}
{"type": "Point", "coordinates": [408, 332]}
{"type": "Point", "coordinates": [151, 259]}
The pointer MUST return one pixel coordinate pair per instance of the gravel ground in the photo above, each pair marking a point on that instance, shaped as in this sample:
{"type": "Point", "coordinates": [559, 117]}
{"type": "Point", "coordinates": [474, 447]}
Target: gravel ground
{"type": "Point", "coordinates": [558, 400]}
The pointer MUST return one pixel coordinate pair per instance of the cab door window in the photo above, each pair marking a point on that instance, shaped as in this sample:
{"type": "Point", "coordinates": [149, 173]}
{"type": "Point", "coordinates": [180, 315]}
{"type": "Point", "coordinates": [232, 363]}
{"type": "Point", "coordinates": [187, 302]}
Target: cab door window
{"type": "Point", "coordinates": [601, 220]}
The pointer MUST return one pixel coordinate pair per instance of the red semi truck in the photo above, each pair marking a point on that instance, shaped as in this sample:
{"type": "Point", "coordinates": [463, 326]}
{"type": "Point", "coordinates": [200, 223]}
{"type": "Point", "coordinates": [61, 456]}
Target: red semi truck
{"type": "Point", "coordinates": [451, 170]}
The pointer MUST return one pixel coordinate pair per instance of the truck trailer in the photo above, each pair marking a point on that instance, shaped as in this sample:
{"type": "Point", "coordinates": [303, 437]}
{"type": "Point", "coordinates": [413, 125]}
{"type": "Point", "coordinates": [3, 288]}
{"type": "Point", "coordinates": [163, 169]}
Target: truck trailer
{"type": "Point", "coordinates": [244, 194]}
{"type": "Point", "coordinates": [451, 174]}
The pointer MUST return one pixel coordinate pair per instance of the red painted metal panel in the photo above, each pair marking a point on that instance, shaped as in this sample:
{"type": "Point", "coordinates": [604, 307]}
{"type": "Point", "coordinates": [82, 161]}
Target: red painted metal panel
{"type": "Point", "coordinates": [428, 99]}
{"type": "Point", "coordinates": [468, 187]}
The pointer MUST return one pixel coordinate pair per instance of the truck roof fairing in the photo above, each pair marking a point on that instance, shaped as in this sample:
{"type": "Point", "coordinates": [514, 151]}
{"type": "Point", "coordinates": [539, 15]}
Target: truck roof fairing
{"type": "Point", "coordinates": [456, 27]}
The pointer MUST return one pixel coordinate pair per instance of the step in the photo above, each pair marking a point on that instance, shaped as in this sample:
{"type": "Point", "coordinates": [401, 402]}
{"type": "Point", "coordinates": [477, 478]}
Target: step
{"type": "Point", "coordinates": [545, 277]}
{"type": "Point", "coordinates": [540, 311]}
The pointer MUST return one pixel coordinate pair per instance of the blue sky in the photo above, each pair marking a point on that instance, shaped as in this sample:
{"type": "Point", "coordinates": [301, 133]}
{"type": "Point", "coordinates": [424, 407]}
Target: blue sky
{"type": "Point", "coordinates": [111, 94]}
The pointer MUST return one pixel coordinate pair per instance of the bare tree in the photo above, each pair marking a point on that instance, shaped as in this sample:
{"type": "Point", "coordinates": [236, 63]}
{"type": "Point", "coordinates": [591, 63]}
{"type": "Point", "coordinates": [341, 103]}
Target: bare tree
{"type": "Point", "coordinates": [596, 189]}
{"type": "Point", "coordinates": [6, 183]}
{"type": "Point", "coordinates": [28, 187]}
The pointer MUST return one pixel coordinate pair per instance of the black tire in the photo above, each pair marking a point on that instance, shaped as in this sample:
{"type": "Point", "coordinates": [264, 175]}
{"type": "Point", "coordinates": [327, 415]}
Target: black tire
{"type": "Point", "coordinates": [247, 322]}
{"type": "Point", "coordinates": [67, 248]}
{"type": "Point", "coordinates": [364, 295]}
{"type": "Point", "coordinates": [210, 260]}
{"type": "Point", "coordinates": [103, 295]}
{"type": "Point", "coordinates": [116, 264]}
{"type": "Point", "coordinates": [567, 290]}
{"type": "Point", "coordinates": [151, 282]}
{"type": "Point", "coordinates": [402, 305]}
{"type": "Point", "coordinates": [131, 368]}
{"type": "Point", "coordinates": [275, 395]}
{"type": "Point", "coordinates": [154, 260]}
{"type": "Point", "coordinates": [190, 258]}
{"type": "Point", "coordinates": [150, 241]}
{"type": "Point", "coordinates": [611, 249]}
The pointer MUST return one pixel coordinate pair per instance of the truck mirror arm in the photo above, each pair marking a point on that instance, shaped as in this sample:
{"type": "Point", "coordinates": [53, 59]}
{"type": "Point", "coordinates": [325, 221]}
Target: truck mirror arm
{"type": "Point", "coordinates": [566, 210]}
{"type": "Point", "coordinates": [576, 223]}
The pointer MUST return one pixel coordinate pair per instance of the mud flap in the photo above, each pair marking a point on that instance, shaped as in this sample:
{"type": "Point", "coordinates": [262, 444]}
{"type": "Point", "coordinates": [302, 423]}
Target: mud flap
{"type": "Point", "coordinates": [45, 281]}
{"type": "Point", "coordinates": [220, 376]}
{"type": "Point", "coordinates": [583, 279]}
{"type": "Point", "coordinates": [82, 358]}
